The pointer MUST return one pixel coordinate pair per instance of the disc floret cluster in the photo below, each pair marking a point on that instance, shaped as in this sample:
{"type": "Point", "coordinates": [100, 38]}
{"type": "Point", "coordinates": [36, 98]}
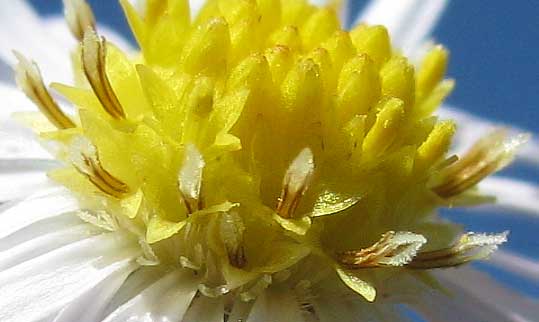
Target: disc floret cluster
{"type": "Point", "coordinates": [259, 139]}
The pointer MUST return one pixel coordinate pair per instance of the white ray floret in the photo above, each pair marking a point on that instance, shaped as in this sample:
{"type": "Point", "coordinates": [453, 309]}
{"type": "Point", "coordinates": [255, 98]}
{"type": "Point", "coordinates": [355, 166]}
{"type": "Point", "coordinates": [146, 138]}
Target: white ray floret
{"type": "Point", "coordinates": [29, 37]}
{"type": "Point", "coordinates": [17, 184]}
{"type": "Point", "coordinates": [16, 140]}
{"type": "Point", "coordinates": [512, 194]}
{"type": "Point", "coordinates": [516, 264]}
{"type": "Point", "coordinates": [39, 206]}
{"type": "Point", "coordinates": [165, 300]}
{"type": "Point", "coordinates": [475, 295]}
{"type": "Point", "coordinates": [38, 289]}
{"type": "Point", "coordinates": [409, 22]}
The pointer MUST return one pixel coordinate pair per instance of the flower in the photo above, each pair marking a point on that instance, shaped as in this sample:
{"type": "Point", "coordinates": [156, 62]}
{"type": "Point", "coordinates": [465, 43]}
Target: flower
{"type": "Point", "coordinates": [254, 163]}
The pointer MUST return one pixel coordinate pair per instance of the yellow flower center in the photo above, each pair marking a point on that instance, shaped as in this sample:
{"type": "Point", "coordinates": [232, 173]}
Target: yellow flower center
{"type": "Point", "coordinates": [258, 136]}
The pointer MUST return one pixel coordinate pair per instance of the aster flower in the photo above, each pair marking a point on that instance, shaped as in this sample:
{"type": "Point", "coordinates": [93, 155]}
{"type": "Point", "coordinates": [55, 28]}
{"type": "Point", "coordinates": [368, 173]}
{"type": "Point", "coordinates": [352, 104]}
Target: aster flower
{"type": "Point", "coordinates": [253, 162]}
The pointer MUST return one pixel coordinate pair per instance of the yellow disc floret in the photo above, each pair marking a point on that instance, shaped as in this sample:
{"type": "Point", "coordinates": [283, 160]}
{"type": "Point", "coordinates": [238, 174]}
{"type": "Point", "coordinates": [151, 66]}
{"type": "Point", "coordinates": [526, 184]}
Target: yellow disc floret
{"type": "Point", "coordinates": [258, 137]}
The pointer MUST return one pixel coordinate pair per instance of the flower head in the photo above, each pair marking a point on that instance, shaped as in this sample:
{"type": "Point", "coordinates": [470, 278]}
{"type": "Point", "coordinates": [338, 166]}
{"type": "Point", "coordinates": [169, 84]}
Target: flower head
{"type": "Point", "coordinates": [257, 150]}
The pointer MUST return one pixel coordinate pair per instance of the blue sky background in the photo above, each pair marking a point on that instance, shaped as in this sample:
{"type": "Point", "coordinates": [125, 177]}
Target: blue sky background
{"type": "Point", "coordinates": [495, 59]}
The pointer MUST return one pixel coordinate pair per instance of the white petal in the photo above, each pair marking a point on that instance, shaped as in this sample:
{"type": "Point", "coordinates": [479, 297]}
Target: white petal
{"type": "Point", "coordinates": [17, 141]}
{"type": "Point", "coordinates": [516, 264]}
{"type": "Point", "coordinates": [6, 73]}
{"type": "Point", "coordinates": [240, 311]}
{"type": "Point", "coordinates": [195, 6]}
{"type": "Point", "coordinates": [44, 244]}
{"type": "Point", "coordinates": [165, 300]}
{"type": "Point", "coordinates": [19, 184]}
{"type": "Point", "coordinates": [345, 15]}
{"type": "Point", "coordinates": [40, 206]}
{"type": "Point", "coordinates": [512, 194]}
{"type": "Point", "coordinates": [38, 229]}
{"type": "Point", "coordinates": [474, 296]}
{"type": "Point", "coordinates": [205, 309]}
{"type": "Point", "coordinates": [39, 288]}
{"type": "Point", "coordinates": [90, 306]}
{"type": "Point", "coordinates": [134, 285]}
{"type": "Point", "coordinates": [409, 22]}
{"type": "Point", "coordinates": [471, 128]}
{"type": "Point", "coordinates": [319, 2]}
{"type": "Point", "coordinates": [23, 30]}
{"type": "Point", "coordinates": [276, 305]}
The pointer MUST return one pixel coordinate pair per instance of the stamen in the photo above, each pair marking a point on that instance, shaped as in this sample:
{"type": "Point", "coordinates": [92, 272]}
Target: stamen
{"type": "Point", "coordinates": [488, 155]}
{"type": "Point", "coordinates": [295, 183]}
{"type": "Point", "coordinates": [470, 247]}
{"type": "Point", "coordinates": [86, 160]}
{"type": "Point", "coordinates": [94, 53]}
{"type": "Point", "coordinates": [231, 230]}
{"type": "Point", "coordinates": [393, 249]}
{"type": "Point", "coordinates": [79, 17]}
{"type": "Point", "coordinates": [190, 178]}
{"type": "Point", "coordinates": [29, 79]}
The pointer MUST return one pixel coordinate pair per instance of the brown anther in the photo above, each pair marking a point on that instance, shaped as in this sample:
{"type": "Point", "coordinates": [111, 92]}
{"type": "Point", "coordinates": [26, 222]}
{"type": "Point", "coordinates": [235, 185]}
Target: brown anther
{"type": "Point", "coordinates": [393, 249]}
{"type": "Point", "coordinates": [366, 257]}
{"type": "Point", "coordinates": [29, 79]}
{"type": "Point", "coordinates": [79, 17]}
{"type": "Point", "coordinates": [231, 231]}
{"type": "Point", "coordinates": [94, 53]}
{"type": "Point", "coordinates": [237, 258]}
{"type": "Point", "coordinates": [85, 158]}
{"type": "Point", "coordinates": [468, 248]}
{"type": "Point", "coordinates": [487, 156]}
{"type": "Point", "coordinates": [103, 180]}
{"type": "Point", "coordinates": [296, 181]}
{"type": "Point", "coordinates": [191, 205]}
